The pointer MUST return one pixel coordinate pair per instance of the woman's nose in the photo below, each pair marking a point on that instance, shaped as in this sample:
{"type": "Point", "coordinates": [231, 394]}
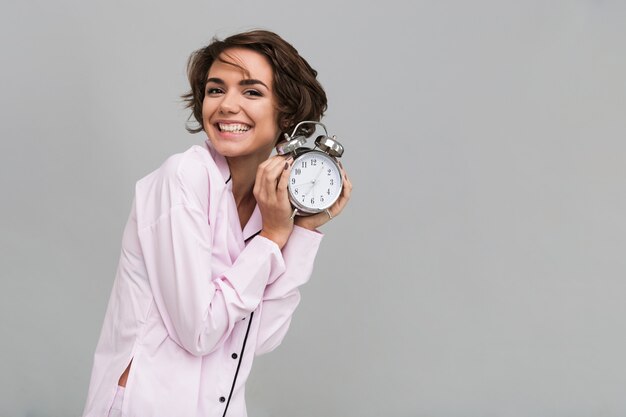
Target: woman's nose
{"type": "Point", "coordinates": [229, 104]}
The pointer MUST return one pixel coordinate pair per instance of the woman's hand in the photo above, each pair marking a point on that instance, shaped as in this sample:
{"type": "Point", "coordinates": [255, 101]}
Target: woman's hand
{"type": "Point", "coordinates": [270, 192]}
{"type": "Point", "coordinates": [317, 220]}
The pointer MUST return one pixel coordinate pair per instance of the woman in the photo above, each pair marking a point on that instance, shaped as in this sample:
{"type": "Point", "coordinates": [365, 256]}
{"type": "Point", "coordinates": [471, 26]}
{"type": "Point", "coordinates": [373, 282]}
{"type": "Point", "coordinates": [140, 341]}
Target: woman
{"type": "Point", "coordinates": [211, 261]}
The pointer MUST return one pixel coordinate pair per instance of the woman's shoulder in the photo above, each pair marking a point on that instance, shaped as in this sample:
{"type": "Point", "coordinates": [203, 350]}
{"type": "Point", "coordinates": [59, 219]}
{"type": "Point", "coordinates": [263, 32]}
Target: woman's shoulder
{"type": "Point", "coordinates": [193, 164]}
{"type": "Point", "coordinates": [186, 176]}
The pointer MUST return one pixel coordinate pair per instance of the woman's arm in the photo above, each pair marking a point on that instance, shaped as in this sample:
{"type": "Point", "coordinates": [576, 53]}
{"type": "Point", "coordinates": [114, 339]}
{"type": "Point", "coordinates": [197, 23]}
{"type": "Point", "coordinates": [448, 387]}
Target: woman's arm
{"type": "Point", "coordinates": [282, 296]}
{"type": "Point", "coordinates": [198, 306]}
{"type": "Point", "coordinates": [199, 312]}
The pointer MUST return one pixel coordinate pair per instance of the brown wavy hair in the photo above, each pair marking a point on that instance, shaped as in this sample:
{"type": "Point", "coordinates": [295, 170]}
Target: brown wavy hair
{"type": "Point", "coordinates": [299, 95]}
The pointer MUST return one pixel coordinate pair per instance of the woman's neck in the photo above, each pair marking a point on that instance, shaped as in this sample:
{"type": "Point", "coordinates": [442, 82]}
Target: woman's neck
{"type": "Point", "coordinates": [243, 175]}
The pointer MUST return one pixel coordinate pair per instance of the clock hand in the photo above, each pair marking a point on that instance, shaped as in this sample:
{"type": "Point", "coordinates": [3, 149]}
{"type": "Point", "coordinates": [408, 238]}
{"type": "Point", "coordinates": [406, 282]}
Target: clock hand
{"type": "Point", "coordinates": [304, 184]}
{"type": "Point", "coordinates": [314, 180]}
{"type": "Point", "coordinates": [310, 182]}
{"type": "Point", "coordinates": [318, 174]}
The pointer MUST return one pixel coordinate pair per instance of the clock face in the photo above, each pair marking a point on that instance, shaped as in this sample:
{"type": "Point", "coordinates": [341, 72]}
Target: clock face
{"type": "Point", "coordinates": [315, 182]}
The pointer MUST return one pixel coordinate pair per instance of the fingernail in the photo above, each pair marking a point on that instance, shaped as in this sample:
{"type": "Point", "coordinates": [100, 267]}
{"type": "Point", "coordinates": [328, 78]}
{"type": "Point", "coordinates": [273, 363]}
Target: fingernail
{"type": "Point", "coordinates": [286, 165]}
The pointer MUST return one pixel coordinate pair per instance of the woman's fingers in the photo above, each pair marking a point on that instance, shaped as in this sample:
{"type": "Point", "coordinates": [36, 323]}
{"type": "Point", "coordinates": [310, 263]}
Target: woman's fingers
{"type": "Point", "coordinates": [272, 172]}
{"type": "Point", "coordinates": [270, 191]}
{"type": "Point", "coordinates": [283, 180]}
{"type": "Point", "coordinates": [267, 177]}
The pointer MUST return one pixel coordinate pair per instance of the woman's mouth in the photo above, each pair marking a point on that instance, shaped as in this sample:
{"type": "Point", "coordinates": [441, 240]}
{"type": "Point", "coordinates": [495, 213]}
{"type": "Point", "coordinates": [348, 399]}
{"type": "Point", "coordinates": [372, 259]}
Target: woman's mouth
{"type": "Point", "coordinates": [233, 127]}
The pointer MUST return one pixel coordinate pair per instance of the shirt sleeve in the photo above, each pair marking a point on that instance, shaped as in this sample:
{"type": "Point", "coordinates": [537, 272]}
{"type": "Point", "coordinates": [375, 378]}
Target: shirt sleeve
{"type": "Point", "coordinates": [282, 296]}
{"type": "Point", "coordinates": [199, 310]}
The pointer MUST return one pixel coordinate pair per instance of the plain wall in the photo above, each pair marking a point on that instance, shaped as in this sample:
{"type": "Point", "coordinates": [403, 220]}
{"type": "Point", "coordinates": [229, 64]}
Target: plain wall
{"type": "Point", "coordinates": [479, 269]}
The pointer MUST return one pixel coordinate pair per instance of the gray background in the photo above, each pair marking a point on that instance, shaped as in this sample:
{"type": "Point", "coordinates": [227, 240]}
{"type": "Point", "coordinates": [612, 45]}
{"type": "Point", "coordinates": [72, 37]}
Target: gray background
{"type": "Point", "coordinates": [479, 269]}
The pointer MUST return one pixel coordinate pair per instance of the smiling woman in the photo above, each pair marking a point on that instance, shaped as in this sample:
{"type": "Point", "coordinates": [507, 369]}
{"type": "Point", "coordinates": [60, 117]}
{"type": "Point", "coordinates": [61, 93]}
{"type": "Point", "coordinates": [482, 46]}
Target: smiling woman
{"type": "Point", "coordinates": [239, 110]}
{"type": "Point", "coordinates": [211, 260]}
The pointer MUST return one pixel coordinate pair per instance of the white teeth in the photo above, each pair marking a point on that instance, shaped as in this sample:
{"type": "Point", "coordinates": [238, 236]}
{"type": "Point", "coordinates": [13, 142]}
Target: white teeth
{"type": "Point", "coordinates": [233, 127]}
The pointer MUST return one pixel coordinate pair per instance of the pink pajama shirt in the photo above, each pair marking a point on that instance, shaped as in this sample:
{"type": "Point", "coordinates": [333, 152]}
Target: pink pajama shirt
{"type": "Point", "coordinates": [190, 291]}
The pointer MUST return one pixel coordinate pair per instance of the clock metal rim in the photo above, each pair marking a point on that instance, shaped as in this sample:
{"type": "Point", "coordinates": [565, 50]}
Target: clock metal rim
{"type": "Point", "coordinates": [289, 146]}
{"type": "Point", "coordinates": [306, 210]}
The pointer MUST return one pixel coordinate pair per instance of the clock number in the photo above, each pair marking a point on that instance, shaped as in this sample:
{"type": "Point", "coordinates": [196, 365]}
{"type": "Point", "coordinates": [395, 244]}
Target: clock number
{"type": "Point", "coordinates": [327, 192]}
{"type": "Point", "coordinates": [322, 198]}
{"type": "Point", "coordinates": [303, 164]}
{"type": "Point", "coordinates": [329, 171]}
{"type": "Point", "coordinates": [332, 182]}
{"type": "Point", "coordinates": [298, 171]}
{"type": "Point", "coordinates": [293, 180]}
{"type": "Point", "coordinates": [312, 200]}
{"type": "Point", "coordinates": [313, 162]}
{"type": "Point", "coordinates": [295, 191]}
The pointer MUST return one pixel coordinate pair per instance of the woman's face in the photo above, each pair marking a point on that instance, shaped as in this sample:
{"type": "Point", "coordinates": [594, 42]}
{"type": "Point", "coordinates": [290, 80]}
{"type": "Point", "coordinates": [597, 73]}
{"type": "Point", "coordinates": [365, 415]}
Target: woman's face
{"type": "Point", "coordinates": [239, 108]}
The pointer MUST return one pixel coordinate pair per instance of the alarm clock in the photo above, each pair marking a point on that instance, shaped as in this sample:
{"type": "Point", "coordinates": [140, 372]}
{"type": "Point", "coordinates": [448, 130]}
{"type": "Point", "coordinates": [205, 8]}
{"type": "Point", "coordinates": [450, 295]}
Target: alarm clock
{"type": "Point", "coordinates": [315, 180]}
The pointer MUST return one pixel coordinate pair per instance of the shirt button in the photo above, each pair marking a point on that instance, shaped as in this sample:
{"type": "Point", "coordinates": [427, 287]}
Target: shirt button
{"type": "Point", "coordinates": [222, 399]}
{"type": "Point", "coordinates": [234, 356]}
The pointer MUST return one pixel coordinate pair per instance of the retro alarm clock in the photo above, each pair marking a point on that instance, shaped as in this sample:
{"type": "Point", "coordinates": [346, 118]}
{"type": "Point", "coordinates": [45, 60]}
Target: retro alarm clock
{"type": "Point", "coordinates": [315, 180]}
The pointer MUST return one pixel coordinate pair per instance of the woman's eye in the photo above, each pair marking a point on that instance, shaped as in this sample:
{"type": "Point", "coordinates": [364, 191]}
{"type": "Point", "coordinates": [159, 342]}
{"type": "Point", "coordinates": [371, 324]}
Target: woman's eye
{"type": "Point", "coordinates": [213, 90]}
{"type": "Point", "coordinates": [254, 93]}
